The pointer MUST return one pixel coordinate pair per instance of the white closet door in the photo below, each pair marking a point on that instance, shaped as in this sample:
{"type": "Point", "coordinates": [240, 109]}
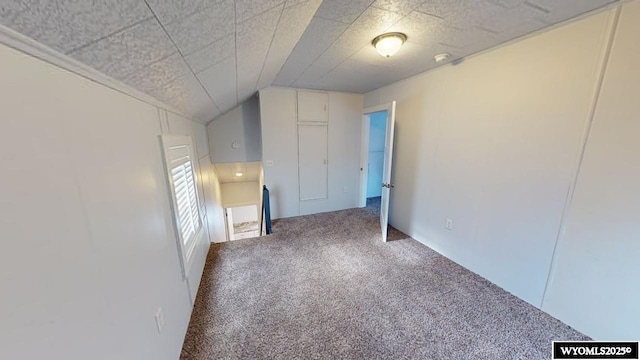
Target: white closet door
{"type": "Point", "coordinates": [313, 164]}
{"type": "Point", "coordinates": [313, 106]}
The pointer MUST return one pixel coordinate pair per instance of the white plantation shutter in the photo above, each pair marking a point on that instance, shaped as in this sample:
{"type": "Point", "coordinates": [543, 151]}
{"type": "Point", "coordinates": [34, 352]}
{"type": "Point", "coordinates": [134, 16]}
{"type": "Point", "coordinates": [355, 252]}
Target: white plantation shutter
{"type": "Point", "coordinates": [184, 194]}
{"type": "Point", "coordinates": [186, 201]}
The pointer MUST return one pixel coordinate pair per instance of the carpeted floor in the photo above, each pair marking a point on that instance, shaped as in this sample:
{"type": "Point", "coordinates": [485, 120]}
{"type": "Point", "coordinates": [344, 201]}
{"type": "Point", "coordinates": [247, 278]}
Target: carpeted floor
{"type": "Point", "coordinates": [324, 286]}
{"type": "Point", "coordinates": [373, 205]}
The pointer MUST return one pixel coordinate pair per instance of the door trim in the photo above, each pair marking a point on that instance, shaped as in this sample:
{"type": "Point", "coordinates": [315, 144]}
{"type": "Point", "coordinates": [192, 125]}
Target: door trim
{"type": "Point", "coordinates": [364, 149]}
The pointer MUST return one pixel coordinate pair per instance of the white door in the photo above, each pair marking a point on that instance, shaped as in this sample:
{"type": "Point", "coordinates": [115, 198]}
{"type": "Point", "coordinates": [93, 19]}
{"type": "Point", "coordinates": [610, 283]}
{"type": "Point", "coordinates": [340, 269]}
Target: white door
{"type": "Point", "coordinates": [312, 161]}
{"type": "Point", "coordinates": [386, 171]}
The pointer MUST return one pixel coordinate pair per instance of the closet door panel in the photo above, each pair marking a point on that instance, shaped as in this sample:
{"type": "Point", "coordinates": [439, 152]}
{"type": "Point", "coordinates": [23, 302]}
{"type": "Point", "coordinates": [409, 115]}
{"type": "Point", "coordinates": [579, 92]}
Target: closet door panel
{"type": "Point", "coordinates": [313, 162]}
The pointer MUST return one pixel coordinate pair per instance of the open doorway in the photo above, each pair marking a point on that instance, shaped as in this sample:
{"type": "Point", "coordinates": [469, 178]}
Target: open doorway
{"type": "Point", "coordinates": [374, 131]}
{"type": "Point", "coordinates": [243, 222]}
{"type": "Point", "coordinates": [241, 193]}
{"type": "Point", "coordinates": [376, 185]}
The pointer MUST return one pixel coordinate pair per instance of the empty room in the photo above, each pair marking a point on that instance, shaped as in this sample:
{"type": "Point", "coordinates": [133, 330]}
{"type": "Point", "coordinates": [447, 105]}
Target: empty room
{"type": "Point", "coordinates": [319, 179]}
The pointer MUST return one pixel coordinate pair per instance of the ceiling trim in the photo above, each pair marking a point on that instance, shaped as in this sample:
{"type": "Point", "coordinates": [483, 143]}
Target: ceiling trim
{"type": "Point", "coordinates": [312, 89]}
{"type": "Point", "coordinates": [30, 47]}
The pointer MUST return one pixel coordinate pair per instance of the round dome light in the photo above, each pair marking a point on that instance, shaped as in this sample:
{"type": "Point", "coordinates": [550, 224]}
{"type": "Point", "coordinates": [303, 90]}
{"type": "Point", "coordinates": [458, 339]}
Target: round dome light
{"type": "Point", "coordinates": [389, 43]}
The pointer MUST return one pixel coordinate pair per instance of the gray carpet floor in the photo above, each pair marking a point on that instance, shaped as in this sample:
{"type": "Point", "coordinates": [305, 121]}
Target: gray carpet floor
{"type": "Point", "coordinates": [325, 286]}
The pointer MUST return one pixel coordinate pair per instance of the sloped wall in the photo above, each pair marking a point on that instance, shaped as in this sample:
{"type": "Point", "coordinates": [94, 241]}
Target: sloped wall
{"type": "Point", "coordinates": [88, 253]}
{"type": "Point", "coordinates": [235, 136]}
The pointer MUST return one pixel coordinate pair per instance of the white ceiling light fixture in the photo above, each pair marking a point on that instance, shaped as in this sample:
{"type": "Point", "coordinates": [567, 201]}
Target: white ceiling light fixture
{"type": "Point", "coordinates": [239, 174]}
{"type": "Point", "coordinates": [389, 43]}
{"type": "Point", "coordinates": [440, 58]}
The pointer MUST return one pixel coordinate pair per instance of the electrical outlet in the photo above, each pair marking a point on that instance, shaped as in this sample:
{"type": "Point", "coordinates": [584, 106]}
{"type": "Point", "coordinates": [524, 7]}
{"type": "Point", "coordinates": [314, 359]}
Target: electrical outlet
{"type": "Point", "coordinates": [269, 163]}
{"type": "Point", "coordinates": [159, 319]}
{"type": "Point", "coordinates": [346, 189]}
{"type": "Point", "coordinates": [448, 224]}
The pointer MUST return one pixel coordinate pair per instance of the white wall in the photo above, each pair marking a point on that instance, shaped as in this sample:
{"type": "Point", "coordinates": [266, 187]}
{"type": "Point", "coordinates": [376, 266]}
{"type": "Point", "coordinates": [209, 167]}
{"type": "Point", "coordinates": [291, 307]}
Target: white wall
{"type": "Point", "coordinates": [279, 145]}
{"type": "Point", "coordinates": [243, 214]}
{"type": "Point", "coordinates": [213, 196]}
{"type": "Point", "coordinates": [240, 193]}
{"type": "Point", "coordinates": [594, 284]}
{"type": "Point", "coordinates": [240, 125]}
{"type": "Point", "coordinates": [377, 132]}
{"type": "Point", "coordinates": [492, 143]}
{"type": "Point", "coordinates": [88, 251]}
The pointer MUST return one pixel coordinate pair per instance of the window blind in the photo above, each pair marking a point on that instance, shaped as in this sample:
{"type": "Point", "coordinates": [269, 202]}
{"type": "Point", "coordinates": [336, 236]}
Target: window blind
{"type": "Point", "coordinates": [186, 200]}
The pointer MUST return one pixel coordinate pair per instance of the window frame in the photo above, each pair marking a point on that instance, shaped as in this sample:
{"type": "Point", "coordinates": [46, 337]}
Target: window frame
{"type": "Point", "coordinates": [184, 144]}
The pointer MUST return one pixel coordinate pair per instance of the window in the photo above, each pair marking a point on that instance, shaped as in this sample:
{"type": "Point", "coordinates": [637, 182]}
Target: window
{"type": "Point", "coordinates": [178, 152]}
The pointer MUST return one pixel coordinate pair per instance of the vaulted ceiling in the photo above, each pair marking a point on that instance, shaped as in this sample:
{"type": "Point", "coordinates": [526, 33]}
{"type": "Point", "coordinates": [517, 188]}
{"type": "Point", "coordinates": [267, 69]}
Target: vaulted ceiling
{"type": "Point", "coordinates": [206, 56]}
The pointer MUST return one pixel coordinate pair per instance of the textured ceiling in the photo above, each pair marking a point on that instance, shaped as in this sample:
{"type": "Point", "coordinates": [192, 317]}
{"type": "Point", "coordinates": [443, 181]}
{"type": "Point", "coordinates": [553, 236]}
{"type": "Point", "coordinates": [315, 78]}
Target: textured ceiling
{"type": "Point", "coordinates": [206, 56]}
{"type": "Point", "coordinates": [201, 56]}
{"type": "Point", "coordinates": [335, 51]}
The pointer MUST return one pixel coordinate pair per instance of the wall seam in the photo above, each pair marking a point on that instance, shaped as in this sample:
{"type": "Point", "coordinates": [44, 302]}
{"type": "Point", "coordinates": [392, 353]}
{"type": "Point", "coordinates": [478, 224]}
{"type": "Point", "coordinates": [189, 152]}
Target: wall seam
{"type": "Point", "coordinates": [159, 119]}
{"type": "Point", "coordinates": [610, 37]}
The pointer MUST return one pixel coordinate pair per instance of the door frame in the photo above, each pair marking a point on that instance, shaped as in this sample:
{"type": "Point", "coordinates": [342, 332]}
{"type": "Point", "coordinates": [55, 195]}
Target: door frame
{"type": "Point", "coordinates": [364, 149]}
{"type": "Point", "coordinates": [228, 223]}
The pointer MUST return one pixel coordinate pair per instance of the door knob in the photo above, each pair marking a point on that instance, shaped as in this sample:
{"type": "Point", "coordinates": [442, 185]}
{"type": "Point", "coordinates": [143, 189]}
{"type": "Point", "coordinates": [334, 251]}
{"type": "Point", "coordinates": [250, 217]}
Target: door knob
{"type": "Point", "coordinates": [388, 185]}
